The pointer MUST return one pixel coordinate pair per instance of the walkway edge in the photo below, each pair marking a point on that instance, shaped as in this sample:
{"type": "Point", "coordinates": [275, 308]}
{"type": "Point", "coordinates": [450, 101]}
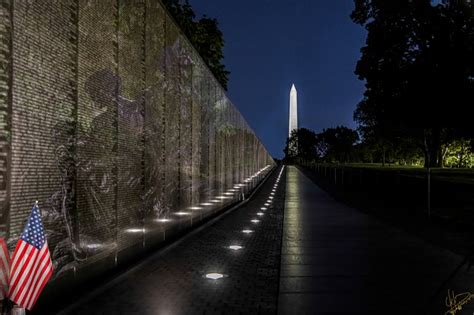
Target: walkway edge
{"type": "Point", "coordinates": [167, 247]}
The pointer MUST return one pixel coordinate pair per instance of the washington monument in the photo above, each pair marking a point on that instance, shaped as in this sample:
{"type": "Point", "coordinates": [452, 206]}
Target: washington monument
{"type": "Point", "coordinates": [293, 110]}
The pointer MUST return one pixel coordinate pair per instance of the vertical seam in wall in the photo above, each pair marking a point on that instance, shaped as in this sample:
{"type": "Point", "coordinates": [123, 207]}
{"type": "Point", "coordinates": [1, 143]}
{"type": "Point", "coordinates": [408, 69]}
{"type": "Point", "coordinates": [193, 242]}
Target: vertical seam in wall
{"type": "Point", "coordinates": [9, 122]}
{"type": "Point", "coordinates": [116, 146]}
{"type": "Point", "coordinates": [144, 125]}
{"type": "Point", "coordinates": [163, 111]}
{"type": "Point", "coordinates": [191, 170]}
{"type": "Point", "coordinates": [76, 124]}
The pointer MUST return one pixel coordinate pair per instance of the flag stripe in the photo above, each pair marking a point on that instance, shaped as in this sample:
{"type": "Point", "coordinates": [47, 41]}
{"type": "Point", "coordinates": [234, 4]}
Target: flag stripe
{"type": "Point", "coordinates": [19, 252]}
{"type": "Point", "coordinates": [25, 268]}
{"type": "Point", "coordinates": [29, 274]}
{"type": "Point", "coordinates": [45, 275]}
{"type": "Point", "coordinates": [31, 266]}
{"type": "Point", "coordinates": [4, 268]}
{"type": "Point", "coordinates": [44, 280]}
{"type": "Point", "coordinates": [19, 262]}
{"type": "Point", "coordinates": [33, 279]}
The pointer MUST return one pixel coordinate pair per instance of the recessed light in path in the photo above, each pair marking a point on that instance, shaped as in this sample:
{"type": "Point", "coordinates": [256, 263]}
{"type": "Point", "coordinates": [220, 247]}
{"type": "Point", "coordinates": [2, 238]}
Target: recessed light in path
{"type": "Point", "coordinates": [182, 213]}
{"type": "Point", "coordinates": [254, 221]}
{"type": "Point", "coordinates": [214, 275]}
{"type": "Point", "coordinates": [259, 213]}
{"type": "Point", "coordinates": [135, 230]}
{"type": "Point", "coordinates": [163, 220]}
{"type": "Point", "coordinates": [247, 231]}
{"type": "Point", "coordinates": [235, 247]}
{"type": "Point", "coordinates": [263, 208]}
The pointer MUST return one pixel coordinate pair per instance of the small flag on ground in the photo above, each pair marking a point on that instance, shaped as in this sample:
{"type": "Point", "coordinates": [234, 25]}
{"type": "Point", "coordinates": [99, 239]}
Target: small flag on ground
{"type": "Point", "coordinates": [4, 268]}
{"type": "Point", "coordinates": [31, 265]}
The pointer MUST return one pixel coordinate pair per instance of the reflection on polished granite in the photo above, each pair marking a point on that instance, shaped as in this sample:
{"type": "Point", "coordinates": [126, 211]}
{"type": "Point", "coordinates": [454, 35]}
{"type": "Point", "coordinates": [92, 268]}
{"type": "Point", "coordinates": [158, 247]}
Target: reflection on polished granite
{"type": "Point", "coordinates": [173, 280]}
{"type": "Point", "coordinates": [337, 260]}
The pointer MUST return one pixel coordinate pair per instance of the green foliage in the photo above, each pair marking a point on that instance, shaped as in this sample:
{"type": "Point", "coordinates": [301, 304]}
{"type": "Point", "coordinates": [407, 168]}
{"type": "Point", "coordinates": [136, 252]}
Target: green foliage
{"type": "Point", "coordinates": [419, 72]}
{"type": "Point", "coordinates": [205, 36]}
{"type": "Point", "coordinates": [459, 154]}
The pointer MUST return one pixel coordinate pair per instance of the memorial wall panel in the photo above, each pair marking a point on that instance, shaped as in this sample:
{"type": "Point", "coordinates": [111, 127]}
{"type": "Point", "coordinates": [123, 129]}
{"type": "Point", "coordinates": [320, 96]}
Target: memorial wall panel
{"type": "Point", "coordinates": [113, 122]}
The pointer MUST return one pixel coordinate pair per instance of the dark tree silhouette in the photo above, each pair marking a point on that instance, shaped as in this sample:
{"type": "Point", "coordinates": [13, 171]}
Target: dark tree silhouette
{"type": "Point", "coordinates": [419, 70]}
{"type": "Point", "coordinates": [337, 144]}
{"type": "Point", "coordinates": [301, 144]}
{"type": "Point", "coordinates": [205, 36]}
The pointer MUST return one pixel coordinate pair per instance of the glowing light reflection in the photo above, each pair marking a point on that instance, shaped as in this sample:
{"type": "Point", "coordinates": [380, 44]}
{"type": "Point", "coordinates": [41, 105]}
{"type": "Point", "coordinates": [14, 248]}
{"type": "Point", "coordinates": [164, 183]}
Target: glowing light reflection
{"type": "Point", "coordinates": [182, 213]}
{"type": "Point", "coordinates": [214, 275]}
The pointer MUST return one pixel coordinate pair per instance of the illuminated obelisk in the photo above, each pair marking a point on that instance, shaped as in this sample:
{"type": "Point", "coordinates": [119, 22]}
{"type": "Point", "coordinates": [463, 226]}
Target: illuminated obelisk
{"type": "Point", "coordinates": [293, 110]}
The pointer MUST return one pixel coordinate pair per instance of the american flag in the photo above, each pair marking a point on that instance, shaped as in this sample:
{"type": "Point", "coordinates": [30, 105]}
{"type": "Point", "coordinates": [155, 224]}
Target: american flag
{"type": "Point", "coordinates": [31, 265]}
{"type": "Point", "coordinates": [4, 268]}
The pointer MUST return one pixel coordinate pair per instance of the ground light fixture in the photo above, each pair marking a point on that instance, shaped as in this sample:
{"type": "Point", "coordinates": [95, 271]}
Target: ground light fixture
{"type": "Point", "coordinates": [182, 213]}
{"type": "Point", "coordinates": [163, 220]}
{"type": "Point", "coordinates": [259, 213]}
{"type": "Point", "coordinates": [235, 247]}
{"type": "Point", "coordinates": [135, 230]}
{"type": "Point", "coordinates": [214, 275]}
{"type": "Point", "coordinates": [266, 204]}
{"type": "Point", "coordinates": [254, 221]}
{"type": "Point", "coordinates": [263, 208]}
{"type": "Point", "coordinates": [195, 208]}
{"type": "Point", "coordinates": [206, 204]}
{"type": "Point", "coordinates": [247, 231]}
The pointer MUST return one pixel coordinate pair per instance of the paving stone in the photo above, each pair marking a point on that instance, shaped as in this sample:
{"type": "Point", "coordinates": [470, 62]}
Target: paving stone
{"type": "Point", "coordinates": [174, 283]}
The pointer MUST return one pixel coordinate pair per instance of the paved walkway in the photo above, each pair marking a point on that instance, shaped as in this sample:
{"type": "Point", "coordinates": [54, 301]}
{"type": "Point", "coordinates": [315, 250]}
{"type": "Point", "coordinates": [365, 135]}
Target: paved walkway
{"type": "Point", "coordinates": [174, 282]}
{"type": "Point", "coordinates": [337, 260]}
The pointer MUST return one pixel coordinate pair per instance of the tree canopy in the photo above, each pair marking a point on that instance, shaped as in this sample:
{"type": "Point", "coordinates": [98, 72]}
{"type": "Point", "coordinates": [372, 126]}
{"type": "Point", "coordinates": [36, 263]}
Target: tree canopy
{"type": "Point", "coordinates": [331, 145]}
{"type": "Point", "coordinates": [418, 66]}
{"type": "Point", "coordinates": [205, 36]}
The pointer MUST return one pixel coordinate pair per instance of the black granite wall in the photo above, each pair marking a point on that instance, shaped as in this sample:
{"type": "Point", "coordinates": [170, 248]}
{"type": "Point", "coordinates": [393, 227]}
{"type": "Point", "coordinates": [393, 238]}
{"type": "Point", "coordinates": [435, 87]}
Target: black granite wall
{"type": "Point", "coordinates": [110, 119]}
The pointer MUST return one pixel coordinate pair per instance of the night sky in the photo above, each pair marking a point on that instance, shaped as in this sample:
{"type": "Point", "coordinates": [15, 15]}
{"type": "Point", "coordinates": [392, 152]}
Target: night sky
{"type": "Point", "coordinates": [271, 44]}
